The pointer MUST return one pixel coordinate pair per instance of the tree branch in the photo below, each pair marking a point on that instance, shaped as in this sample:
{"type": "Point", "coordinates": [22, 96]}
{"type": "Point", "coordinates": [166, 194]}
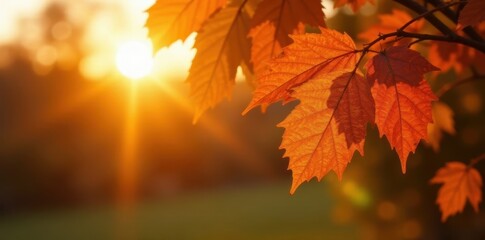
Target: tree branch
{"type": "Point", "coordinates": [438, 8]}
{"type": "Point", "coordinates": [450, 14]}
{"type": "Point", "coordinates": [450, 36]}
{"type": "Point", "coordinates": [419, 9]}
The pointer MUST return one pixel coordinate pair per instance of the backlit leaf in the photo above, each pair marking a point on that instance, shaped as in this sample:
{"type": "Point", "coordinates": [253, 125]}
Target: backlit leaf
{"type": "Point", "coordinates": [222, 45]}
{"type": "Point", "coordinates": [328, 126]}
{"type": "Point", "coordinates": [472, 13]}
{"type": "Point", "coordinates": [458, 57]}
{"type": "Point", "coordinates": [389, 23]}
{"type": "Point", "coordinates": [308, 55]}
{"type": "Point", "coordinates": [403, 98]}
{"type": "Point", "coordinates": [274, 20]}
{"type": "Point", "coordinates": [170, 20]}
{"type": "Point", "coordinates": [460, 183]}
{"type": "Point", "coordinates": [442, 122]}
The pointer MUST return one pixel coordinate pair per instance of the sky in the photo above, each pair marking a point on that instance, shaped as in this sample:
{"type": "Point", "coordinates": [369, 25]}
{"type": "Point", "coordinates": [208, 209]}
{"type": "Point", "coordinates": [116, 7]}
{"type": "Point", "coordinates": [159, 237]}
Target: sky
{"type": "Point", "coordinates": [125, 20]}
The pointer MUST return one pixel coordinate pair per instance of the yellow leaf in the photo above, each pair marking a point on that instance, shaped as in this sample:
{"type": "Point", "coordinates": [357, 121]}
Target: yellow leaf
{"type": "Point", "coordinates": [170, 20]}
{"type": "Point", "coordinates": [222, 45]}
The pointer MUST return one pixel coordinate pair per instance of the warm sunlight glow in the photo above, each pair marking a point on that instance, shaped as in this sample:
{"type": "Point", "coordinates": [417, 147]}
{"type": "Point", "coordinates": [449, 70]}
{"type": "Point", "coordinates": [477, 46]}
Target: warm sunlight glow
{"type": "Point", "coordinates": [134, 59]}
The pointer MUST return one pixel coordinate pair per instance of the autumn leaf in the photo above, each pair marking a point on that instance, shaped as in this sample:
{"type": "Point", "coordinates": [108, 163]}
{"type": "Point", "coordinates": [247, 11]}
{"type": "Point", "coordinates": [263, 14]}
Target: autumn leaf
{"type": "Point", "coordinates": [308, 55]}
{"type": "Point", "coordinates": [442, 122]}
{"type": "Point", "coordinates": [171, 20]}
{"type": "Point", "coordinates": [222, 45]}
{"type": "Point", "coordinates": [274, 20]}
{"type": "Point", "coordinates": [460, 182]}
{"type": "Point", "coordinates": [458, 57]}
{"type": "Point", "coordinates": [355, 4]}
{"type": "Point", "coordinates": [472, 13]}
{"type": "Point", "coordinates": [403, 98]}
{"type": "Point", "coordinates": [389, 23]}
{"type": "Point", "coordinates": [328, 126]}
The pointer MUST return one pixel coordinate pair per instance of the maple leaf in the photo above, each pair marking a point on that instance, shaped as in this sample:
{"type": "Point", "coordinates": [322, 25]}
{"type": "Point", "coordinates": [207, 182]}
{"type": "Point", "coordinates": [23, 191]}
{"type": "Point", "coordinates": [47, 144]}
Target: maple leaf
{"type": "Point", "coordinates": [460, 182]}
{"type": "Point", "coordinates": [403, 98]}
{"type": "Point", "coordinates": [355, 4]}
{"type": "Point", "coordinates": [328, 126]}
{"type": "Point", "coordinates": [274, 20]}
{"type": "Point", "coordinates": [309, 54]}
{"type": "Point", "coordinates": [171, 20]}
{"type": "Point", "coordinates": [389, 23]}
{"type": "Point", "coordinates": [222, 45]}
{"type": "Point", "coordinates": [442, 122]}
{"type": "Point", "coordinates": [472, 13]}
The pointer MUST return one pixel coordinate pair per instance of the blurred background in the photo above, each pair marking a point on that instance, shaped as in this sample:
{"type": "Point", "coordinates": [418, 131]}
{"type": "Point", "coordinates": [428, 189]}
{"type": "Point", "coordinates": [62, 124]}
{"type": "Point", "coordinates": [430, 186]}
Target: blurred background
{"type": "Point", "coordinates": [96, 142]}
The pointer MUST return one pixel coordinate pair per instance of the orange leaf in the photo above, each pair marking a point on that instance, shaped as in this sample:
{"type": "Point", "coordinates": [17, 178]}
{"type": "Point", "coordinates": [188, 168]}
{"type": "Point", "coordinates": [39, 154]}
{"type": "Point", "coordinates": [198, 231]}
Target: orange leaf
{"type": "Point", "coordinates": [472, 13]}
{"type": "Point", "coordinates": [221, 46]}
{"type": "Point", "coordinates": [390, 23]}
{"type": "Point", "coordinates": [308, 55]}
{"type": "Point", "coordinates": [442, 122]}
{"type": "Point", "coordinates": [328, 126]}
{"type": "Point", "coordinates": [460, 183]}
{"type": "Point", "coordinates": [274, 20]}
{"type": "Point", "coordinates": [171, 20]}
{"type": "Point", "coordinates": [403, 98]}
{"type": "Point", "coordinates": [455, 56]}
{"type": "Point", "coordinates": [355, 4]}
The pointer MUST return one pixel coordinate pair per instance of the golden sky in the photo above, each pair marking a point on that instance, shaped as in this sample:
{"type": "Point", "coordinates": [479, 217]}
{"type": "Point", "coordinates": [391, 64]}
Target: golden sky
{"type": "Point", "coordinates": [114, 39]}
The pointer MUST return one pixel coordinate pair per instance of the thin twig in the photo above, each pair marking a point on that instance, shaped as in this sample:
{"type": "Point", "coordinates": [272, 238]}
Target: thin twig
{"type": "Point", "coordinates": [465, 41]}
{"type": "Point", "coordinates": [447, 87]}
{"type": "Point", "coordinates": [476, 160]}
{"type": "Point", "coordinates": [451, 37]}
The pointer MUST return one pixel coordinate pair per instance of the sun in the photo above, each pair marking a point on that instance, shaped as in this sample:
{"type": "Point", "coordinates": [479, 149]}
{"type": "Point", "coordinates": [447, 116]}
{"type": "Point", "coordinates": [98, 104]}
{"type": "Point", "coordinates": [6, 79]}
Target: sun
{"type": "Point", "coordinates": [134, 59]}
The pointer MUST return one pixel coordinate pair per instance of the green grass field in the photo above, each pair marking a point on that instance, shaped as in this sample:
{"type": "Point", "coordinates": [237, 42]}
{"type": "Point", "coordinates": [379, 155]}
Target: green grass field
{"type": "Point", "coordinates": [265, 212]}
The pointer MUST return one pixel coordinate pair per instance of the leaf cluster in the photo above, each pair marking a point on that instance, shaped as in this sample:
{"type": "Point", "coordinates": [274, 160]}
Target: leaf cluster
{"type": "Point", "coordinates": [340, 87]}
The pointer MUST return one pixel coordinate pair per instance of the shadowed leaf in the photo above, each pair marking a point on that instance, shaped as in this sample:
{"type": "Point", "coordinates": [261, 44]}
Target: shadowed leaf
{"type": "Point", "coordinates": [274, 20]}
{"type": "Point", "coordinates": [403, 98]}
{"type": "Point", "coordinates": [328, 126]}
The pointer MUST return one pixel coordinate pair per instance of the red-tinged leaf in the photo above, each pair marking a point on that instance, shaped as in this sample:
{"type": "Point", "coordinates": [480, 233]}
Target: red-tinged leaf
{"type": "Point", "coordinates": [403, 98]}
{"type": "Point", "coordinates": [389, 23]}
{"type": "Point", "coordinates": [460, 183]}
{"type": "Point", "coordinates": [308, 55]}
{"type": "Point", "coordinates": [328, 126]}
{"type": "Point", "coordinates": [274, 20]}
{"type": "Point", "coordinates": [472, 13]}
{"type": "Point", "coordinates": [355, 4]}
{"type": "Point", "coordinates": [448, 56]}
{"type": "Point", "coordinates": [170, 20]}
{"type": "Point", "coordinates": [222, 45]}
{"type": "Point", "coordinates": [442, 122]}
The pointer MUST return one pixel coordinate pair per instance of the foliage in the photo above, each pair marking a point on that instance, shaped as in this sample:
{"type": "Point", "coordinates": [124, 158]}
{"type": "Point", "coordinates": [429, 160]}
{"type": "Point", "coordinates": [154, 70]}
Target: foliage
{"type": "Point", "coordinates": [340, 87]}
